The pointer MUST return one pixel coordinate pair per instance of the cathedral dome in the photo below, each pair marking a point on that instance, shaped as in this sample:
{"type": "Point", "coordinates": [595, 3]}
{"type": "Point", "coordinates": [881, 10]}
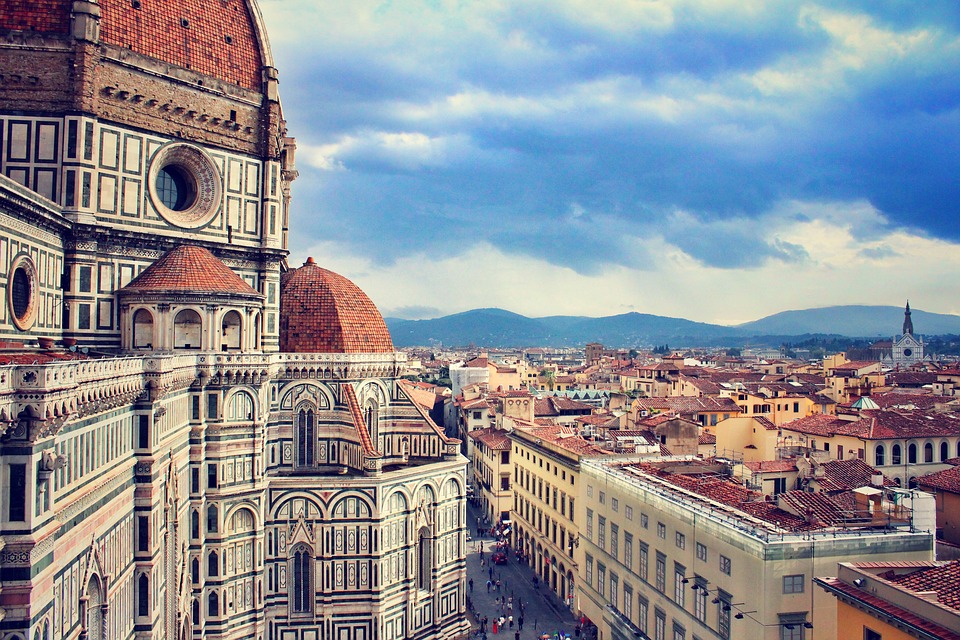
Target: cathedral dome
{"type": "Point", "coordinates": [323, 312]}
{"type": "Point", "coordinates": [224, 39]}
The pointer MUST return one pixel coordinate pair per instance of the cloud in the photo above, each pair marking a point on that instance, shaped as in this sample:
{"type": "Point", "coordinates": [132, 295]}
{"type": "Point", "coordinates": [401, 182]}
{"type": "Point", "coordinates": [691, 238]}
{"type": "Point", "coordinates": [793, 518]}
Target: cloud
{"type": "Point", "coordinates": [595, 137]}
{"type": "Point", "coordinates": [671, 281]}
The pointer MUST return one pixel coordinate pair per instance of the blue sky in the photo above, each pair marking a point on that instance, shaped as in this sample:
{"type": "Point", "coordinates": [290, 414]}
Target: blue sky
{"type": "Point", "coordinates": [714, 160]}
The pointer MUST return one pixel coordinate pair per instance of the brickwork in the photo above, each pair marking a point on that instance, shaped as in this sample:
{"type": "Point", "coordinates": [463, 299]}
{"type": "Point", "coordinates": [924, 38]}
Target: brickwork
{"type": "Point", "coordinates": [41, 16]}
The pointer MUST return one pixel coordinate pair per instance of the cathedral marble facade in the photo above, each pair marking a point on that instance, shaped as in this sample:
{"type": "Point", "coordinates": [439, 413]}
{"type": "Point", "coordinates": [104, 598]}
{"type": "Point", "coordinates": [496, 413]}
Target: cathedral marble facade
{"type": "Point", "coordinates": [196, 439]}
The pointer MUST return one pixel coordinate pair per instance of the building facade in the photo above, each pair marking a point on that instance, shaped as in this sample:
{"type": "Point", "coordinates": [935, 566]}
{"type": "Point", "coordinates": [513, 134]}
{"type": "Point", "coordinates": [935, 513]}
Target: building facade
{"type": "Point", "coordinates": [196, 441]}
{"type": "Point", "coordinates": [673, 549]}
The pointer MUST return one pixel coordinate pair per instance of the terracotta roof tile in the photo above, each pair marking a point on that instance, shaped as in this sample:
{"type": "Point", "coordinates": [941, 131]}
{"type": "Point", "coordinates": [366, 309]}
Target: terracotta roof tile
{"type": "Point", "coordinates": [190, 269]}
{"type": "Point", "coordinates": [323, 312]}
{"type": "Point", "coordinates": [946, 480]}
{"type": "Point", "coordinates": [39, 16]}
{"type": "Point", "coordinates": [855, 593]}
{"type": "Point", "coordinates": [156, 29]}
{"type": "Point", "coordinates": [496, 439]}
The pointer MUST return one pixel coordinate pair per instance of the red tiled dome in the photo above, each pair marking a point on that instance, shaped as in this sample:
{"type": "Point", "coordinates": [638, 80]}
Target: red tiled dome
{"type": "Point", "coordinates": [222, 38]}
{"type": "Point", "coordinates": [38, 16]}
{"type": "Point", "coordinates": [192, 34]}
{"type": "Point", "coordinates": [190, 269]}
{"type": "Point", "coordinates": [323, 312]}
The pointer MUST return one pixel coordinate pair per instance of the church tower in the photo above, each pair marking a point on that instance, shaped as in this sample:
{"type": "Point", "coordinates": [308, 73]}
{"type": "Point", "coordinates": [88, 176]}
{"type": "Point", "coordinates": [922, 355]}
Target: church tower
{"type": "Point", "coordinates": [907, 348]}
{"type": "Point", "coordinates": [907, 321]}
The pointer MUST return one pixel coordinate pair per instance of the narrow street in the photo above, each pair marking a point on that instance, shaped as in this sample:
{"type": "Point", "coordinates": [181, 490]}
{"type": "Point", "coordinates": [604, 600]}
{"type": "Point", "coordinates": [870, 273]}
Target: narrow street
{"type": "Point", "coordinates": [543, 612]}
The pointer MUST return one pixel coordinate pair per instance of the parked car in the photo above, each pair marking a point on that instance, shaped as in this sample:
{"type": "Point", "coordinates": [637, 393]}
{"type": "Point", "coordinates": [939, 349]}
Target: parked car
{"type": "Point", "coordinates": [500, 558]}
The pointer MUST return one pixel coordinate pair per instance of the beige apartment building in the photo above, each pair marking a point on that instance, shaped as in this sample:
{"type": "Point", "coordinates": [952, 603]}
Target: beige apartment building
{"type": "Point", "coordinates": [675, 550]}
{"type": "Point", "coordinates": [546, 467]}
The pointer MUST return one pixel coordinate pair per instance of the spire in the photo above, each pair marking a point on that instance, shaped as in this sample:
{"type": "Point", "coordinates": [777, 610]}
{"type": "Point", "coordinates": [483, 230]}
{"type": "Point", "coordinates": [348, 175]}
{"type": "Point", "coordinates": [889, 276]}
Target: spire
{"type": "Point", "coordinates": [907, 322]}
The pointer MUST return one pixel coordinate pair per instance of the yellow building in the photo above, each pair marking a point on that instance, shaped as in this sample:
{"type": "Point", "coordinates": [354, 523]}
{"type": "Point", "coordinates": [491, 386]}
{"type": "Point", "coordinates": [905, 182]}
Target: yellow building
{"type": "Point", "coordinates": [674, 549]}
{"type": "Point", "coordinates": [896, 601]}
{"type": "Point", "coordinates": [749, 439]}
{"type": "Point", "coordinates": [547, 466]}
{"type": "Point", "coordinates": [492, 470]}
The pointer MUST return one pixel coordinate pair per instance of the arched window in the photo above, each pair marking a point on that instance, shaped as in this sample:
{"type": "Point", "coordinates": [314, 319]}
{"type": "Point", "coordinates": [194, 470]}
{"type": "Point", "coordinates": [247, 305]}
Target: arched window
{"type": "Point", "coordinates": [240, 407]}
{"type": "Point", "coordinates": [257, 332]}
{"type": "Point", "coordinates": [928, 452]}
{"type": "Point", "coordinates": [301, 591]}
{"type": "Point", "coordinates": [212, 519]}
{"type": "Point", "coordinates": [897, 457]}
{"type": "Point", "coordinates": [231, 333]}
{"type": "Point", "coordinates": [372, 419]}
{"type": "Point", "coordinates": [187, 330]}
{"type": "Point", "coordinates": [194, 524]}
{"type": "Point", "coordinates": [142, 329]}
{"type": "Point", "coordinates": [213, 564]}
{"type": "Point", "coordinates": [213, 604]}
{"type": "Point", "coordinates": [878, 456]}
{"type": "Point", "coordinates": [196, 612]}
{"type": "Point", "coordinates": [143, 595]}
{"type": "Point", "coordinates": [424, 559]}
{"type": "Point", "coordinates": [912, 453]}
{"type": "Point", "coordinates": [95, 601]}
{"type": "Point", "coordinates": [944, 451]}
{"type": "Point", "coordinates": [306, 438]}
{"type": "Point", "coordinates": [195, 570]}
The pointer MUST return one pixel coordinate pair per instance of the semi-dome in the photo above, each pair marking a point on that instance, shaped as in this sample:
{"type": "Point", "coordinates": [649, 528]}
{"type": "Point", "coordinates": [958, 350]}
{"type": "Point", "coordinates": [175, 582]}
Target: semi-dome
{"type": "Point", "coordinates": [323, 312]}
{"type": "Point", "coordinates": [190, 269]}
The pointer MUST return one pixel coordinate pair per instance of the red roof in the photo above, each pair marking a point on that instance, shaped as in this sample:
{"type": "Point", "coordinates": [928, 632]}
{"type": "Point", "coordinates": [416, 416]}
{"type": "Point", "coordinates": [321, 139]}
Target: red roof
{"type": "Point", "coordinates": [190, 269]}
{"type": "Point", "coordinates": [496, 439]}
{"type": "Point", "coordinates": [856, 593]}
{"type": "Point", "coordinates": [943, 580]}
{"type": "Point", "coordinates": [39, 16]}
{"type": "Point", "coordinates": [946, 480]}
{"type": "Point", "coordinates": [158, 30]}
{"type": "Point", "coordinates": [323, 312]}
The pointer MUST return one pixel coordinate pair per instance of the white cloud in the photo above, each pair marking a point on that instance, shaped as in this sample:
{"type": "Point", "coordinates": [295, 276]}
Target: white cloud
{"type": "Point", "coordinates": [887, 269]}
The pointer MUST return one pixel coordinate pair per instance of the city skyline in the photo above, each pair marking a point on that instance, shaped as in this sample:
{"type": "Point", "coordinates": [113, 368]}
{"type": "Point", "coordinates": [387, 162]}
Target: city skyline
{"type": "Point", "coordinates": [710, 160]}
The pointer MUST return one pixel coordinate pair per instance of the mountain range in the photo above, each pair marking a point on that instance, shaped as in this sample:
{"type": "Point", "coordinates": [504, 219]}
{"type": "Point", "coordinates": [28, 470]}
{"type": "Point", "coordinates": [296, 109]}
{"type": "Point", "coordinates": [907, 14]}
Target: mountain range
{"type": "Point", "coordinates": [500, 328]}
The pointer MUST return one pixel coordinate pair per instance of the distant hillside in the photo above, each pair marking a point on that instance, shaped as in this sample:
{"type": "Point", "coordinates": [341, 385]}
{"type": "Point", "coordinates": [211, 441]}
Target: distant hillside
{"type": "Point", "coordinates": [499, 328]}
{"type": "Point", "coordinates": [853, 321]}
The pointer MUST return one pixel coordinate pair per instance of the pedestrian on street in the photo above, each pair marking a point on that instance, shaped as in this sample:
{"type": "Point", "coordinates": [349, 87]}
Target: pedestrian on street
{"type": "Point", "coordinates": [490, 572]}
{"type": "Point", "coordinates": [498, 585]}
{"type": "Point", "coordinates": [510, 621]}
{"type": "Point", "coordinates": [516, 635]}
{"type": "Point", "coordinates": [471, 585]}
{"type": "Point", "coordinates": [520, 622]}
{"type": "Point", "coordinates": [489, 584]}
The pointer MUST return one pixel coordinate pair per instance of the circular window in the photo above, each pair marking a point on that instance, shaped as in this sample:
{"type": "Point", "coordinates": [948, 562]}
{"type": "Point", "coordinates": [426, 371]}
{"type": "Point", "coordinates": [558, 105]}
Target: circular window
{"type": "Point", "coordinates": [185, 185]}
{"type": "Point", "coordinates": [908, 352]}
{"type": "Point", "coordinates": [22, 292]}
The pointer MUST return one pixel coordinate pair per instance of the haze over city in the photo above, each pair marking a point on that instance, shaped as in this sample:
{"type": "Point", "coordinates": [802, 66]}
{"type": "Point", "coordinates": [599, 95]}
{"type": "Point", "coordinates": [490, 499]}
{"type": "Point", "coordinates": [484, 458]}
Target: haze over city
{"type": "Point", "coordinates": [719, 161]}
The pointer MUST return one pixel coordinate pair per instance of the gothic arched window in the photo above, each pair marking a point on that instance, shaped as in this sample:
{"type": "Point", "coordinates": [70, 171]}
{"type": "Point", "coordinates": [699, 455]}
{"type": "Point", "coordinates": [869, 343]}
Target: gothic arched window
{"type": "Point", "coordinates": [424, 559]}
{"type": "Point", "coordinates": [301, 591]}
{"type": "Point", "coordinates": [306, 437]}
{"type": "Point", "coordinates": [143, 595]}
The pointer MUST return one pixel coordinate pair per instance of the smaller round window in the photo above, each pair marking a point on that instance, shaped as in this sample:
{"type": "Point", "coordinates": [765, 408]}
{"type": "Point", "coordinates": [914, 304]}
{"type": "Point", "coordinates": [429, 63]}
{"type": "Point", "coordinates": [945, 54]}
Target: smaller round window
{"type": "Point", "coordinates": [22, 292]}
{"type": "Point", "coordinates": [908, 352]}
{"type": "Point", "coordinates": [184, 185]}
